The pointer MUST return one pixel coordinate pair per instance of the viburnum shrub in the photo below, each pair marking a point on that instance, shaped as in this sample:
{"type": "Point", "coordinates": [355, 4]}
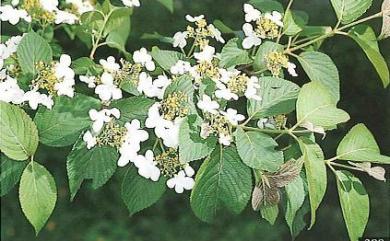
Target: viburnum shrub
{"type": "Point", "coordinates": [230, 126]}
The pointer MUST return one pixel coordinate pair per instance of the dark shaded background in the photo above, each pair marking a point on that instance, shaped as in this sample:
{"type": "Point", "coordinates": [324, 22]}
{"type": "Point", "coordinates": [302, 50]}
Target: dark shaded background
{"type": "Point", "coordinates": [101, 215]}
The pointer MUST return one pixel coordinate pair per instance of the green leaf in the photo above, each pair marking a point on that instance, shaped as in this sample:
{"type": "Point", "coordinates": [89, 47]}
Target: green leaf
{"type": "Point", "coordinates": [117, 19]}
{"type": "Point", "coordinates": [264, 49]}
{"type": "Point", "coordinates": [62, 125]}
{"type": "Point", "coordinates": [37, 194]}
{"type": "Point", "coordinates": [157, 36]}
{"type": "Point", "coordinates": [348, 11]}
{"type": "Point", "coordinates": [293, 23]}
{"type": "Point", "coordinates": [98, 164]}
{"type": "Point", "coordinates": [19, 135]}
{"type": "Point", "coordinates": [232, 54]}
{"type": "Point", "coordinates": [257, 150]}
{"type": "Point", "coordinates": [270, 213]}
{"type": "Point", "coordinates": [316, 105]}
{"type": "Point", "coordinates": [320, 67]}
{"type": "Point", "coordinates": [359, 145]}
{"type": "Point", "coordinates": [10, 174]}
{"type": "Point", "coordinates": [299, 222]}
{"type": "Point", "coordinates": [267, 5]}
{"type": "Point", "coordinates": [133, 108]}
{"type": "Point", "coordinates": [354, 202]}
{"type": "Point", "coordinates": [191, 145]}
{"type": "Point", "coordinates": [278, 96]}
{"type": "Point", "coordinates": [364, 35]}
{"type": "Point", "coordinates": [222, 27]}
{"type": "Point", "coordinates": [138, 192]}
{"type": "Point", "coordinates": [168, 4]}
{"type": "Point", "coordinates": [295, 192]}
{"type": "Point", "coordinates": [311, 31]}
{"type": "Point", "coordinates": [32, 49]}
{"type": "Point", "coordinates": [221, 180]}
{"type": "Point", "coordinates": [166, 58]}
{"type": "Point", "coordinates": [85, 66]}
{"type": "Point", "coordinates": [315, 173]}
{"type": "Point", "coordinates": [117, 38]}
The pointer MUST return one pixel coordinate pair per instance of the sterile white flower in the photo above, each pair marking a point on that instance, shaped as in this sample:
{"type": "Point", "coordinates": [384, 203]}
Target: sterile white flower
{"type": "Point", "coordinates": [147, 166]}
{"type": "Point", "coordinates": [224, 93]}
{"type": "Point", "coordinates": [291, 69]}
{"type": "Point", "coordinates": [181, 182]}
{"type": "Point", "coordinates": [208, 105]}
{"type": "Point", "coordinates": [205, 130]}
{"type": "Point", "coordinates": [35, 98]}
{"type": "Point", "coordinates": [224, 139]}
{"type": "Point", "coordinates": [170, 135]}
{"type": "Point", "coordinates": [13, 15]}
{"type": "Point", "coordinates": [107, 90]}
{"type": "Point", "coordinates": [141, 56]}
{"type": "Point", "coordinates": [180, 39]}
{"type": "Point", "coordinates": [275, 17]}
{"type": "Point", "coordinates": [49, 5]}
{"type": "Point", "coordinates": [90, 80]}
{"type": "Point", "coordinates": [232, 116]}
{"type": "Point", "coordinates": [251, 13]}
{"type": "Point", "coordinates": [252, 88]}
{"type": "Point", "coordinates": [216, 33]}
{"type": "Point", "coordinates": [207, 54]}
{"type": "Point", "coordinates": [131, 3]}
{"type": "Point", "coordinates": [194, 19]}
{"type": "Point", "coordinates": [10, 91]}
{"type": "Point", "coordinates": [251, 38]}
{"type": "Point", "coordinates": [65, 76]}
{"type": "Point", "coordinates": [152, 88]}
{"type": "Point", "coordinates": [110, 65]}
{"type": "Point", "coordinates": [89, 139]}
{"type": "Point", "coordinates": [101, 117]}
{"type": "Point", "coordinates": [181, 67]}
{"type": "Point", "coordinates": [81, 6]}
{"type": "Point", "coordinates": [65, 17]}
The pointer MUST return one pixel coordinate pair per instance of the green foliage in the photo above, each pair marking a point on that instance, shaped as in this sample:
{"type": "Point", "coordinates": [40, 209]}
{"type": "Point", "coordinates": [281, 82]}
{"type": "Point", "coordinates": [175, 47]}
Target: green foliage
{"type": "Point", "coordinates": [139, 193]}
{"type": "Point", "coordinates": [364, 35]}
{"type": "Point", "coordinates": [315, 173]}
{"type": "Point", "coordinates": [257, 150]}
{"type": "Point", "coordinates": [32, 49]}
{"type": "Point", "coordinates": [133, 108]}
{"type": "Point", "coordinates": [61, 127]}
{"type": "Point", "coordinates": [359, 145]}
{"type": "Point", "coordinates": [349, 10]}
{"type": "Point", "coordinates": [37, 194]}
{"type": "Point", "coordinates": [270, 213]}
{"type": "Point", "coordinates": [18, 139]}
{"type": "Point", "coordinates": [222, 180]}
{"type": "Point", "coordinates": [354, 202]}
{"type": "Point", "coordinates": [98, 164]}
{"type": "Point", "coordinates": [10, 174]}
{"type": "Point", "coordinates": [166, 58]}
{"type": "Point", "coordinates": [278, 96]}
{"type": "Point", "coordinates": [295, 192]}
{"type": "Point", "coordinates": [316, 105]}
{"type": "Point", "coordinates": [264, 49]}
{"type": "Point", "coordinates": [232, 54]}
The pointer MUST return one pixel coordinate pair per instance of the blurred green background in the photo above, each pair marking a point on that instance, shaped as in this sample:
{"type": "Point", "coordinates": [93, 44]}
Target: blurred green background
{"type": "Point", "coordinates": [101, 215]}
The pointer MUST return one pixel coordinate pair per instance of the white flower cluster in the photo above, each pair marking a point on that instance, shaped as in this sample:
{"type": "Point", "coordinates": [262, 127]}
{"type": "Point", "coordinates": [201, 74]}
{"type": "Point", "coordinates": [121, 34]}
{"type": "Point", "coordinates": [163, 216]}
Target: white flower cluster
{"type": "Point", "coordinates": [11, 14]}
{"type": "Point", "coordinates": [11, 92]}
{"type": "Point", "coordinates": [253, 37]}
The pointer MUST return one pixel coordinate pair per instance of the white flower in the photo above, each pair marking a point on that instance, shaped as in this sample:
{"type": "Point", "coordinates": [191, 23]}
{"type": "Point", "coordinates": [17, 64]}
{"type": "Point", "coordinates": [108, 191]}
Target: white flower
{"type": "Point", "coordinates": [131, 3]}
{"type": "Point", "coordinates": [232, 116]}
{"type": "Point", "coordinates": [101, 117]}
{"type": "Point", "coordinates": [90, 80]}
{"type": "Point", "coordinates": [251, 13]}
{"type": "Point", "coordinates": [109, 65]}
{"type": "Point", "coordinates": [81, 6]}
{"type": "Point", "coordinates": [291, 69]}
{"type": "Point", "coordinates": [89, 139]}
{"type": "Point", "coordinates": [224, 93]}
{"type": "Point", "coordinates": [13, 15]}
{"type": "Point", "coordinates": [181, 67]}
{"type": "Point", "coordinates": [208, 105]}
{"type": "Point", "coordinates": [181, 182]}
{"type": "Point", "coordinates": [275, 17]}
{"type": "Point", "coordinates": [107, 90]}
{"type": "Point", "coordinates": [65, 76]}
{"type": "Point", "coordinates": [252, 87]}
{"type": "Point", "coordinates": [251, 38]}
{"type": "Point", "coordinates": [194, 19]}
{"type": "Point", "coordinates": [207, 54]}
{"type": "Point", "coordinates": [216, 33]}
{"type": "Point", "coordinates": [10, 91]}
{"type": "Point", "coordinates": [152, 88]}
{"type": "Point", "coordinates": [128, 152]}
{"type": "Point", "coordinates": [171, 134]}
{"type": "Point", "coordinates": [205, 130]}
{"type": "Point", "coordinates": [141, 56]}
{"type": "Point", "coordinates": [155, 120]}
{"type": "Point", "coordinates": [180, 39]}
{"type": "Point", "coordinates": [49, 5]}
{"type": "Point", "coordinates": [65, 17]}
{"type": "Point", "coordinates": [35, 98]}
{"type": "Point", "coordinates": [147, 166]}
{"type": "Point", "coordinates": [224, 139]}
